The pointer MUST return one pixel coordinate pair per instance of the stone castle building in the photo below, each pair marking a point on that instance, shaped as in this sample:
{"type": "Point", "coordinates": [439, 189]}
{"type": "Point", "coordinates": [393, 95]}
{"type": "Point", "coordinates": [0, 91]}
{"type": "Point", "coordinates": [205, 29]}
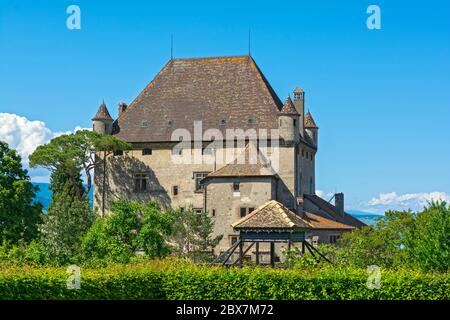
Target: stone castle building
{"type": "Point", "coordinates": [274, 158]}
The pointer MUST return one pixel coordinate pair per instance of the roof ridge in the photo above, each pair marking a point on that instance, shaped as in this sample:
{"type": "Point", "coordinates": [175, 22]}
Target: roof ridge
{"type": "Point", "coordinates": [214, 57]}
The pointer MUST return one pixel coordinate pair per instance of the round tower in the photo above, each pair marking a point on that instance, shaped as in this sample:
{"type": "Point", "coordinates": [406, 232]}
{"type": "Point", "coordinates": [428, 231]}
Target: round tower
{"type": "Point", "coordinates": [312, 130]}
{"type": "Point", "coordinates": [102, 122]}
{"type": "Point", "coordinates": [288, 122]}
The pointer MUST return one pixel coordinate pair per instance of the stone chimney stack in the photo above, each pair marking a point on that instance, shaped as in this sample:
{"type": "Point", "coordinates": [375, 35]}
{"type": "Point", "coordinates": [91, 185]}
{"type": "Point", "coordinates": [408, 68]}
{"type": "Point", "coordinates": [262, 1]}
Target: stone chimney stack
{"type": "Point", "coordinates": [299, 103]}
{"type": "Point", "coordinates": [339, 202]}
{"type": "Point", "coordinates": [122, 107]}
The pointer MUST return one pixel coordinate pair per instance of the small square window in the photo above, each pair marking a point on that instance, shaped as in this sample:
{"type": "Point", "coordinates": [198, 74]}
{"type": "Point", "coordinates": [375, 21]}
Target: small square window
{"type": "Point", "coordinates": [236, 186]}
{"type": "Point", "coordinates": [141, 182]}
{"type": "Point", "coordinates": [144, 124]}
{"type": "Point", "coordinates": [198, 210]}
{"type": "Point", "coordinates": [146, 152]}
{"type": "Point", "coordinates": [175, 190]}
{"type": "Point", "coordinates": [222, 122]}
{"type": "Point", "coordinates": [250, 209]}
{"type": "Point", "coordinates": [198, 177]}
{"type": "Point", "coordinates": [250, 121]}
{"type": "Point", "coordinates": [169, 123]}
{"type": "Point", "coordinates": [118, 153]}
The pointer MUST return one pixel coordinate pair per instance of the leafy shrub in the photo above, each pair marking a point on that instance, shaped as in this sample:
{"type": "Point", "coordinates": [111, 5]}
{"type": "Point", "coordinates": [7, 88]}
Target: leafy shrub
{"type": "Point", "coordinates": [178, 279]}
{"type": "Point", "coordinates": [131, 226]}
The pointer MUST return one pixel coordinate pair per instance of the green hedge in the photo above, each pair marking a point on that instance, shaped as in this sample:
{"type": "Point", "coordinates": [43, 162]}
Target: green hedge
{"type": "Point", "coordinates": [179, 280]}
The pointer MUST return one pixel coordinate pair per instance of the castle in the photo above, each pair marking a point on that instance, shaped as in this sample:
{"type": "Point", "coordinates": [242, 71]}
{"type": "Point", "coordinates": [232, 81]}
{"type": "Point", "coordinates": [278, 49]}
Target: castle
{"type": "Point", "coordinates": [202, 100]}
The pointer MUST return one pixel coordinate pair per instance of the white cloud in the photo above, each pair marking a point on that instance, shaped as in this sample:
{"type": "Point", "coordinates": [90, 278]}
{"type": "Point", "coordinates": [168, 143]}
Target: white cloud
{"type": "Point", "coordinates": [26, 135]}
{"type": "Point", "coordinates": [390, 201]}
{"type": "Point", "coordinates": [413, 201]}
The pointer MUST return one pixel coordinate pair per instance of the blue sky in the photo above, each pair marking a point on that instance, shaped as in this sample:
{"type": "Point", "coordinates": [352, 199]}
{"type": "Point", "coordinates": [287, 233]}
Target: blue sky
{"type": "Point", "coordinates": [380, 97]}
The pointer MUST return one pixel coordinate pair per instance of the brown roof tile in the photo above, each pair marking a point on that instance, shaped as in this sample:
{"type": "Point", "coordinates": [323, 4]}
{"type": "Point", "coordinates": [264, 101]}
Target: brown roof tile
{"type": "Point", "coordinates": [102, 113]}
{"type": "Point", "coordinates": [331, 211]}
{"type": "Point", "coordinates": [288, 107]}
{"type": "Point", "coordinates": [319, 222]}
{"type": "Point", "coordinates": [271, 215]}
{"type": "Point", "coordinates": [208, 89]}
{"type": "Point", "coordinates": [309, 121]}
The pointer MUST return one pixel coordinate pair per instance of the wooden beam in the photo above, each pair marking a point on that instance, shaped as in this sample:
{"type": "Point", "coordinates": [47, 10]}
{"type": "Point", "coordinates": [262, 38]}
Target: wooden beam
{"type": "Point", "coordinates": [272, 254]}
{"type": "Point", "coordinates": [320, 254]}
{"type": "Point", "coordinates": [241, 254]}
{"type": "Point", "coordinates": [245, 251]}
{"type": "Point", "coordinates": [257, 253]}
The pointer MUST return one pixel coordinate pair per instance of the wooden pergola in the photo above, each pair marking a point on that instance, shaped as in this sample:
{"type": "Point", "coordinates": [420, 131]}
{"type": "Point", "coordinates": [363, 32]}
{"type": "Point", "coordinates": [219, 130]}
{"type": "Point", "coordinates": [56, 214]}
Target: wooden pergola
{"type": "Point", "coordinates": [271, 223]}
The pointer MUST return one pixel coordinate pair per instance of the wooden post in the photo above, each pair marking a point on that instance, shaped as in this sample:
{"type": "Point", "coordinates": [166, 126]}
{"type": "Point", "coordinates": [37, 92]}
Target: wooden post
{"type": "Point", "coordinates": [272, 254]}
{"type": "Point", "coordinates": [257, 253]}
{"type": "Point", "coordinates": [289, 252]}
{"type": "Point", "coordinates": [303, 247]}
{"type": "Point", "coordinates": [241, 254]}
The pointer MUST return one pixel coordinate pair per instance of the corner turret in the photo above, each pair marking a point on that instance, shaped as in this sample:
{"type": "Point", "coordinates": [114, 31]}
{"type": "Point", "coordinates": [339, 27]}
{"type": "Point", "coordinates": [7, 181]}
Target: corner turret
{"type": "Point", "coordinates": [311, 128]}
{"type": "Point", "coordinates": [102, 122]}
{"type": "Point", "coordinates": [288, 122]}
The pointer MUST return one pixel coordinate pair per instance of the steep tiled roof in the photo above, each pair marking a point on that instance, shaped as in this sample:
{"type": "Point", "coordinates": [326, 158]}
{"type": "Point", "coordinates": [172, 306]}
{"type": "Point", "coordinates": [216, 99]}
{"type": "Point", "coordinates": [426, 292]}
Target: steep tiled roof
{"type": "Point", "coordinates": [319, 222]}
{"type": "Point", "coordinates": [288, 107]}
{"type": "Point", "coordinates": [222, 92]}
{"type": "Point", "coordinates": [102, 113]}
{"type": "Point", "coordinates": [250, 163]}
{"type": "Point", "coordinates": [309, 121]}
{"type": "Point", "coordinates": [331, 211]}
{"type": "Point", "coordinates": [271, 215]}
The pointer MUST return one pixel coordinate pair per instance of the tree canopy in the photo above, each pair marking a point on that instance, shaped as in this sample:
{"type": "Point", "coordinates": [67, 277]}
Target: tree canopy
{"type": "Point", "coordinates": [19, 214]}
{"type": "Point", "coordinates": [76, 151]}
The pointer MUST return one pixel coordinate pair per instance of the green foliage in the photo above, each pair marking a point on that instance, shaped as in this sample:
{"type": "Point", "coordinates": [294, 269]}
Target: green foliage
{"type": "Point", "coordinates": [67, 221]}
{"type": "Point", "coordinates": [19, 215]}
{"type": "Point", "coordinates": [428, 243]}
{"type": "Point", "coordinates": [75, 151]}
{"type": "Point", "coordinates": [177, 279]}
{"type": "Point", "coordinates": [404, 239]}
{"type": "Point", "coordinates": [191, 235]}
{"type": "Point", "coordinates": [129, 227]}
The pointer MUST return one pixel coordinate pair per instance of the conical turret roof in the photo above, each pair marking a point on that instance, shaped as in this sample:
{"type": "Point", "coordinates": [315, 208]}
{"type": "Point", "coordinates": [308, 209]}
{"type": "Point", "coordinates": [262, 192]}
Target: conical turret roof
{"type": "Point", "coordinates": [288, 107]}
{"type": "Point", "coordinates": [309, 121]}
{"type": "Point", "coordinates": [102, 113]}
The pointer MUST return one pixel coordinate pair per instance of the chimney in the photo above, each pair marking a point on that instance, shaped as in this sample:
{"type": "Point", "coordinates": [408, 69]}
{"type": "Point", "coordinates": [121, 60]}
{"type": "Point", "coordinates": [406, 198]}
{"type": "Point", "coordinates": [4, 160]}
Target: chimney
{"type": "Point", "coordinates": [339, 202]}
{"type": "Point", "coordinates": [300, 209]}
{"type": "Point", "coordinates": [122, 107]}
{"type": "Point", "coordinates": [299, 103]}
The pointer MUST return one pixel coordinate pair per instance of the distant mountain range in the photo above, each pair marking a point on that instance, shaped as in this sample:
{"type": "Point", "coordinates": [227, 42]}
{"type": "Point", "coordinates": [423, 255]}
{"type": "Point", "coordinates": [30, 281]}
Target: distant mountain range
{"type": "Point", "coordinates": [44, 196]}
